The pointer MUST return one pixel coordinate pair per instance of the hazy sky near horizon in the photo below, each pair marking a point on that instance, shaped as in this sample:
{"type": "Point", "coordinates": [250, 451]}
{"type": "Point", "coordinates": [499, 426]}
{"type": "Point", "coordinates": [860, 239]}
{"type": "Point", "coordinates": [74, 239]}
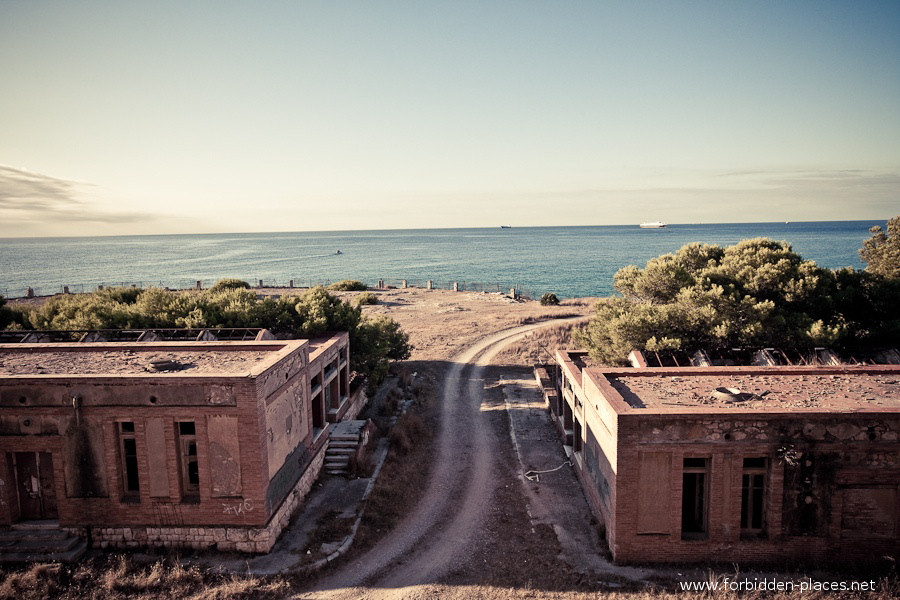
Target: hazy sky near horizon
{"type": "Point", "coordinates": [120, 117]}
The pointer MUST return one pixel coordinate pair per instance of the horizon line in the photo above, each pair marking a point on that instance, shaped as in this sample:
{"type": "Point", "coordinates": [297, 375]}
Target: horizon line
{"type": "Point", "coordinates": [123, 235]}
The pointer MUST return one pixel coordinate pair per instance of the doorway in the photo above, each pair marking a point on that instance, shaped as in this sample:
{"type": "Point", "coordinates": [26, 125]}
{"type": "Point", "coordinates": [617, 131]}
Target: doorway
{"type": "Point", "coordinates": [35, 488]}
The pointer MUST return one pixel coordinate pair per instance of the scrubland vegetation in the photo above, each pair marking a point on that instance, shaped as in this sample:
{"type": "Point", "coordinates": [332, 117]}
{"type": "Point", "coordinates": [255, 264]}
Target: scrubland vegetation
{"type": "Point", "coordinates": [366, 298]}
{"type": "Point", "coordinates": [348, 285]}
{"type": "Point", "coordinates": [881, 252]}
{"type": "Point", "coordinates": [549, 299]}
{"type": "Point", "coordinates": [756, 293]}
{"type": "Point", "coordinates": [374, 341]}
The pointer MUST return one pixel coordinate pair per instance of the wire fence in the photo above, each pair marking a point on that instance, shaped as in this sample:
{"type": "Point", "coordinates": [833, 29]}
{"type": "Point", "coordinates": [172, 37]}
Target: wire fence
{"type": "Point", "coordinates": [272, 283]}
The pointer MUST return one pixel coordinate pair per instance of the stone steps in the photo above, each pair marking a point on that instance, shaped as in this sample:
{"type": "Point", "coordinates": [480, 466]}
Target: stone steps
{"type": "Point", "coordinates": [39, 542]}
{"type": "Point", "coordinates": [343, 441]}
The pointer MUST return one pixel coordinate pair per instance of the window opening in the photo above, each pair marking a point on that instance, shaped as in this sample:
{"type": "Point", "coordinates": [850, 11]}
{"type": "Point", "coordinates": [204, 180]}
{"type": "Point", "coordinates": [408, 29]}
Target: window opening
{"type": "Point", "coordinates": [694, 498]}
{"type": "Point", "coordinates": [190, 471]}
{"type": "Point", "coordinates": [128, 455]}
{"type": "Point", "coordinates": [753, 494]}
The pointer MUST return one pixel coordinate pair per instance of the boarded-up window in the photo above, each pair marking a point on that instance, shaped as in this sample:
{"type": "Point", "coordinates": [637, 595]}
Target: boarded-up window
{"type": "Point", "coordinates": [597, 466]}
{"type": "Point", "coordinates": [869, 512]}
{"type": "Point", "coordinates": [85, 468]}
{"type": "Point", "coordinates": [224, 456]}
{"type": "Point", "coordinates": [654, 492]}
{"type": "Point", "coordinates": [156, 458]}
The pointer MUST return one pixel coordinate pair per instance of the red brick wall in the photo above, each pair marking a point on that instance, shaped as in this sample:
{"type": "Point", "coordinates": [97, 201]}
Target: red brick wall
{"type": "Point", "coordinates": [854, 463]}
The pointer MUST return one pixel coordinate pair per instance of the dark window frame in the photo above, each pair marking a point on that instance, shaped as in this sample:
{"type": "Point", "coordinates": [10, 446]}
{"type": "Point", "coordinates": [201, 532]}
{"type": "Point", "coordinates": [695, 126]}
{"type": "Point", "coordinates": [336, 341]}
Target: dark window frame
{"type": "Point", "coordinates": [128, 461]}
{"type": "Point", "coordinates": [695, 481]}
{"type": "Point", "coordinates": [188, 463]}
{"type": "Point", "coordinates": [754, 496]}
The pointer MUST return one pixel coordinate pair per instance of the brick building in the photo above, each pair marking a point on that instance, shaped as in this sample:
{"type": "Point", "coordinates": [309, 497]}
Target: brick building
{"type": "Point", "coordinates": [734, 463]}
{"type": "Point", "coordinates": [200, 444]}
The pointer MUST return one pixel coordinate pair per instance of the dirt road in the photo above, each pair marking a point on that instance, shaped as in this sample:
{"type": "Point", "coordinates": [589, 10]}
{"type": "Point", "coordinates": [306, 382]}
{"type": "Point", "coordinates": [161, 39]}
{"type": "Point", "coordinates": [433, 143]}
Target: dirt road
{"type": "Point", "coordinates": [439, 533]}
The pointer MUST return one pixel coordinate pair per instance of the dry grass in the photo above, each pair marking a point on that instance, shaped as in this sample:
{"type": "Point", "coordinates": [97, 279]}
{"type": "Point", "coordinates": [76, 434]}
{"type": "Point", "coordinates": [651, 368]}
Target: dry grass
{"type": "Point", "coordinates": [538, 346]}
{"type": "Point", "coordinates": [117, 577]}
{"type": "Point", "coordinates": [885, 590]}
{"type": "Point", "coordinates": [405, 471]}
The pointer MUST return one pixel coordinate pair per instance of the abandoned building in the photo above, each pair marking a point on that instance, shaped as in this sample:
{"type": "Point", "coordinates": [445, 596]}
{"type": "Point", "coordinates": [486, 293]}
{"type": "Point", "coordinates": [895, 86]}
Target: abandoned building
{"type": "Point", "coordinates": [734, 463]}
{"type": "Point", "coordinates": [205, 444]}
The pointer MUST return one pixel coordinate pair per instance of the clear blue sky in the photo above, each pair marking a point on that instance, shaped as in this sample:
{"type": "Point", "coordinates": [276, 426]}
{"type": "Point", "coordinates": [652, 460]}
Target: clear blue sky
{"type": "Point", "coordinates": [202, 116]}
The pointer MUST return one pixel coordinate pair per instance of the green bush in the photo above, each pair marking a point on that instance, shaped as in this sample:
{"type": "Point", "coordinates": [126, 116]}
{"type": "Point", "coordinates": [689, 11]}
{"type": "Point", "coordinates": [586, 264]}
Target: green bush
{"type": "Point", "coordinates": [758, 292]}
{"type": "Point", "coordinates": [366, 298]}
{"type": "Point", "coordinates": [881, 252]}
{"type": "Point", "coordinates": [373, 343]}
{"type": "Point", "coordinates": [230, 284]}
{"type": "Point", "coordinates": [6, 315]}
{"type": "Point", "coordinates": [348, 285]}
{"type": "Point", "coordinates": [124, 295]}
{"type": "Point", "coordinates": [549, 299]}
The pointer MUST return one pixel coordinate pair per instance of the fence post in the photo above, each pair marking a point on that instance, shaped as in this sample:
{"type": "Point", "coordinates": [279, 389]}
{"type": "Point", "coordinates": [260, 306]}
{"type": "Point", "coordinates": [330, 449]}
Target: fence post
{"type": "Point", "coordinates": [291, 284]}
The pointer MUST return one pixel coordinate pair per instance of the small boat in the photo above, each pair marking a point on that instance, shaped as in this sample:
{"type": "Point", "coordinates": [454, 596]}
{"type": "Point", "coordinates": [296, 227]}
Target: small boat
{"type": "Point", "coordinates": [338, 252]}
{"type": "Point", "coordinates": [653, 225]}
{"type": "Point", "coordinates": [506, 227]}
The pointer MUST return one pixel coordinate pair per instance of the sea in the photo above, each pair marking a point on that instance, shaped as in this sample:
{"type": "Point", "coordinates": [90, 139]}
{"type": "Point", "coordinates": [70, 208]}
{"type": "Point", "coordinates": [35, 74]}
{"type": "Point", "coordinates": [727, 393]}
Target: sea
{"type": "Point", "coordinates": [568, 261]}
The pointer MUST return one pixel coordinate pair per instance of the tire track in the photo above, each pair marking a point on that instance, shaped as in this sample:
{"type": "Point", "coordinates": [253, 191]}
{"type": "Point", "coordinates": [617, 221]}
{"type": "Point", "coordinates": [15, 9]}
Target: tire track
{"type": "Point", "coordinates": [433, 539]}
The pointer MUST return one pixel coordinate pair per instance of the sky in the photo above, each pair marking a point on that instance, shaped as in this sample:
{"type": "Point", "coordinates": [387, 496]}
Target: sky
{"type": "Point", "coordinates": [122, 117]}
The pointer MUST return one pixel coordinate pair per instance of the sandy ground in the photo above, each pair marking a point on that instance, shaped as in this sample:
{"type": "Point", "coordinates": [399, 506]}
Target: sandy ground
{"type": "Point", "coordinates": [472, 525]}
{"type": "Point", "coordinates": [481, 528]}
{"type": "Point", "coordinates": [441, 322]}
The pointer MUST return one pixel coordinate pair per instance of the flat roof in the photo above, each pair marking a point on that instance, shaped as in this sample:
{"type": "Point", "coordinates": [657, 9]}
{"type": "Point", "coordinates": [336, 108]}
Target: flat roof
{"type": "Point", "coordinates": [764, 389]}
{"type": "Point", "coordinates": [140, 358]}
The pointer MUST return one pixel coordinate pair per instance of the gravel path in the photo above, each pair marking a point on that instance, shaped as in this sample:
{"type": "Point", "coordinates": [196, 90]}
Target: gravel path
{"type": "Point", "coordinates": [438, 535]}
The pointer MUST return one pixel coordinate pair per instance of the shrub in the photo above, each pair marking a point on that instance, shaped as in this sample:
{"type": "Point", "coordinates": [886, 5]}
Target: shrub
{"type": "Point", "coordinates": [758, 292]}
{"type": "Point", "coordinates": [6, 314]}
{"type": "Point", "coordinates": [121, 295]}
{"type": "Point", "coordinates": [366, 298]}
{"type": "Point", "coordinates": [549, 299]}
{"type": "Point", "coordinates": [230, 284]}
{"type": "Point", "coordinates": [373, 343]}
{"type": "Point", "coordinates": [881, 252]}
{"type": "Point", "coordinates": [348, 285]}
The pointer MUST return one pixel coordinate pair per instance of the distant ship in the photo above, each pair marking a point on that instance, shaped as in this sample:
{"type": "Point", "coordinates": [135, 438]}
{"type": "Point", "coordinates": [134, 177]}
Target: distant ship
{"type": "Point", "coordinates": [653, 225]}
{"type": "Point", "coordinates": [506, 227]}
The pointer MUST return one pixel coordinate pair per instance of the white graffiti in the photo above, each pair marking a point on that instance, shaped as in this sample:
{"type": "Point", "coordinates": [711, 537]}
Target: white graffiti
{"type": "Point", "coordinates": [237, 509]}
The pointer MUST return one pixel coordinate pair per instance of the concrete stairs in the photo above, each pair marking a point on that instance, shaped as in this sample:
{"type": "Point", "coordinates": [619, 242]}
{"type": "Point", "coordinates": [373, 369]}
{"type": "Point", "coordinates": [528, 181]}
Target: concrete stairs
{"type": "Point", "coordinates": [39, 541]}
{"type": "Point", "coordinates": [343, 441]}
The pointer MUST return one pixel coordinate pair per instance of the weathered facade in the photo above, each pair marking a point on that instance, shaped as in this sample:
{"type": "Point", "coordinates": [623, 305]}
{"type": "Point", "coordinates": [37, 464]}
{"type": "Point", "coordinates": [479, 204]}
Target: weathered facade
{"type": "Point", "coordinates": [754, 464]}
{"type": "Point", "coordinates": [200, 444]}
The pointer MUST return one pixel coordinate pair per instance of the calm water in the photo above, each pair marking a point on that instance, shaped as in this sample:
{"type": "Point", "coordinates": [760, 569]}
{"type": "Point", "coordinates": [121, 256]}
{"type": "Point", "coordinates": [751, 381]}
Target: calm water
{"type": "Point", "coordinates": [570, 261]}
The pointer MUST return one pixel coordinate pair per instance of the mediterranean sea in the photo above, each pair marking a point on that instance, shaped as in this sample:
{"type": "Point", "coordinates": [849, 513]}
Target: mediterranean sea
{"type": "Point", "coordinates": [569, 261]}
